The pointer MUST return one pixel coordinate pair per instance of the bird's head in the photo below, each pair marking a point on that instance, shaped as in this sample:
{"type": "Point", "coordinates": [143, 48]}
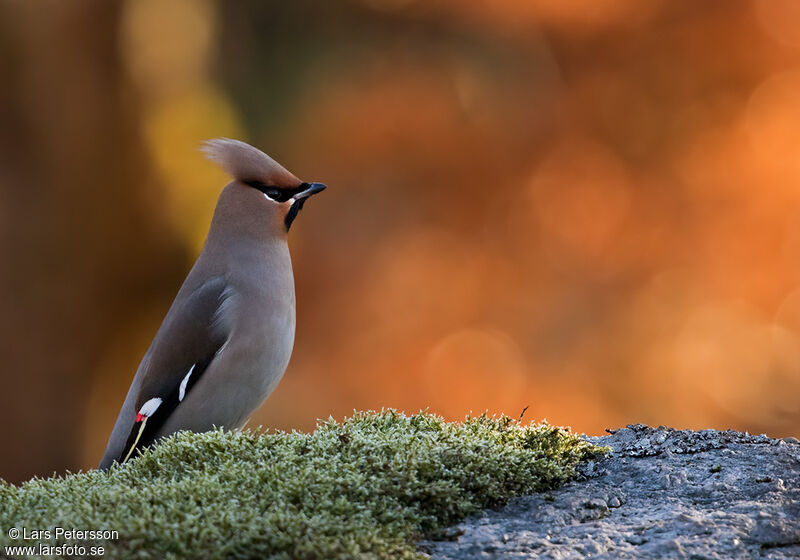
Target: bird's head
{"type": "Point", "coordinates": [262, 180]}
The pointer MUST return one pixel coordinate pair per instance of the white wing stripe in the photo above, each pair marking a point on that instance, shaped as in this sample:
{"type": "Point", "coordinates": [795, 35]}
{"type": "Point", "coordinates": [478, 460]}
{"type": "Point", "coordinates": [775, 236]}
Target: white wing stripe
{"type": "Point", "coordinates": [150, 407]}
{"type": "Point", "coordinates": [182, 388]}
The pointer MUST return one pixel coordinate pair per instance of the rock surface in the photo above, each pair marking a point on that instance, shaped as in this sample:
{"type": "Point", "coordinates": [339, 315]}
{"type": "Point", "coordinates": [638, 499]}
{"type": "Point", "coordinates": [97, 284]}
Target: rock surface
{"type": "Point", "coordinates": [662, 493]}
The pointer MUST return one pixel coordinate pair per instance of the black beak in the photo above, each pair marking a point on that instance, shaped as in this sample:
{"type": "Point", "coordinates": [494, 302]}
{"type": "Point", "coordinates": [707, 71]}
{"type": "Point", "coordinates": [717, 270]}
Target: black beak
{"type": "Point", "coordinates": [309, 189]}
{"type": "Point", "coordinates": [306, 190]}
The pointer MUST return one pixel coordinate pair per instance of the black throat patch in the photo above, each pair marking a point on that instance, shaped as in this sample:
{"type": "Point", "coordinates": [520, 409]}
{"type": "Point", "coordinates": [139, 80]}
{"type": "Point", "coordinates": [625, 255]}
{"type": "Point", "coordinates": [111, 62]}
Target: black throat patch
{"type": "Point", "coordinates": [293, 211]}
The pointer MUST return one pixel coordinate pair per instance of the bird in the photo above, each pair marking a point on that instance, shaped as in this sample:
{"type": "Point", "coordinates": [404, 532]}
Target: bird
{"type": "Point", "coordinates": [227, 338]}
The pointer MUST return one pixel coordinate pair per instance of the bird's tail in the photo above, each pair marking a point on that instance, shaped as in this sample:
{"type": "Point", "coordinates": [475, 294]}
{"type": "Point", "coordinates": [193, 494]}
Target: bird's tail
{"type": "Point", "coordinates": [241, 160]}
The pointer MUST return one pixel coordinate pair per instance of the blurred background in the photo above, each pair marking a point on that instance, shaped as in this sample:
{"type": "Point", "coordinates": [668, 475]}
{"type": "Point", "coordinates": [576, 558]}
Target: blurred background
{"type": "Point", "coordinates": [590, 209]}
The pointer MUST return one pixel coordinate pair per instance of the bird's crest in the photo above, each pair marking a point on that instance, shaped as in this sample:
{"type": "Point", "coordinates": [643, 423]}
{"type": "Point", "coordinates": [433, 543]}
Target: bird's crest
{"type": "Point", "coordinates": [246, 163]}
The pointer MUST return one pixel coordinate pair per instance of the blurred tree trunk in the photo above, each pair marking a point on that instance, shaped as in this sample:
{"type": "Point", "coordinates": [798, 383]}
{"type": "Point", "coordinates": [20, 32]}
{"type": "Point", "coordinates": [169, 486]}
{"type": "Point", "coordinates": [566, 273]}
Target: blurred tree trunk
{"type": "Point", "coordinates": [78, 246]}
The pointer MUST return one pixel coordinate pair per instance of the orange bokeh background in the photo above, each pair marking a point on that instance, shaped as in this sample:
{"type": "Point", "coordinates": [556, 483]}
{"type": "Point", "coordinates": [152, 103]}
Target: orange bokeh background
{"type": "Point", "coordinates": [588, 209]}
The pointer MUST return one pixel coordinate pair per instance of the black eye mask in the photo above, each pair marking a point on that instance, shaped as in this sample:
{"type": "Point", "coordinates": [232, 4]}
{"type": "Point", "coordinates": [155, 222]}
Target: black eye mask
{"type": "Point", "coordinates": [278, 194]}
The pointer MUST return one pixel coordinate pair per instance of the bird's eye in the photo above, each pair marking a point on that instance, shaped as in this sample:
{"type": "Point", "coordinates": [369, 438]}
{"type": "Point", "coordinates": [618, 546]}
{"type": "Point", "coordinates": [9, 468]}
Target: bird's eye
{"type": "Point", "coordinates": [274, 194]}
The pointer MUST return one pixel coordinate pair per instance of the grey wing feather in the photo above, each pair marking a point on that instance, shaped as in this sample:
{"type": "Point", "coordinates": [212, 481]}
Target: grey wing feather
{"type": "Point", "coordinates": [192, 332]}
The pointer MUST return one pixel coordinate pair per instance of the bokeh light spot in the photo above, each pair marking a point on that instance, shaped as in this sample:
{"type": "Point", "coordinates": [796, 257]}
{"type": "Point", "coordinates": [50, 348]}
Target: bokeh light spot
{"type": "Point", "coordinates": [580, 194]}
{"type": "Point", "coordinates": [780, 19]}
{"type": "Point", "coordinates": [471, 369]}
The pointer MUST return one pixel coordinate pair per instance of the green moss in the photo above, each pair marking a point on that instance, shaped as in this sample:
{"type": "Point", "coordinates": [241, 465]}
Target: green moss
{"type": "Point", "coordinates": [364, 488]}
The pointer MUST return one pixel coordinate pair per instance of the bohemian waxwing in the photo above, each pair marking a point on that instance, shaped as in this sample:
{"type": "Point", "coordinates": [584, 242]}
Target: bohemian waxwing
{"type": "Point", "coordinates": [226, 341]}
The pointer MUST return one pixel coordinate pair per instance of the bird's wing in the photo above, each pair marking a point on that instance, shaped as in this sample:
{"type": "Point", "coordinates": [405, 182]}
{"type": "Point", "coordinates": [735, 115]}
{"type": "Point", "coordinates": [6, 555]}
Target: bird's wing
{"type": "Point", "coordinates": [192, 334]}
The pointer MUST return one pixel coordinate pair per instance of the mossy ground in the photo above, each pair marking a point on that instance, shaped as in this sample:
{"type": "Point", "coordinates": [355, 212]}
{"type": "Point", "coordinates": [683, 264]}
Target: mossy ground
{"type": "Point", "coordinates": [368, 487]}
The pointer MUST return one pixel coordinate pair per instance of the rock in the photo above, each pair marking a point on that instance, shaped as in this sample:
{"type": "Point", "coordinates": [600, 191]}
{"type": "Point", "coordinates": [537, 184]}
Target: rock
{"type": "Point", "coordinates": [661, 493]}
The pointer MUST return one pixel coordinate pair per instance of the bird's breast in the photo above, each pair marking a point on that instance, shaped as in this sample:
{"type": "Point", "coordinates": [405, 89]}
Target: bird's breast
{"type": "Point", "coordinates": [260, 317]}
{"type": "Point", "coordinates": [262, 336]}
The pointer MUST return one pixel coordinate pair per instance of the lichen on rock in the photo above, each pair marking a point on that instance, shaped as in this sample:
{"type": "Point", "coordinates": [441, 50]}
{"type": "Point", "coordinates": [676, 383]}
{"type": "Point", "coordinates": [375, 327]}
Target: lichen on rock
{"type": "Point", "coordinates": [660, 493]}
